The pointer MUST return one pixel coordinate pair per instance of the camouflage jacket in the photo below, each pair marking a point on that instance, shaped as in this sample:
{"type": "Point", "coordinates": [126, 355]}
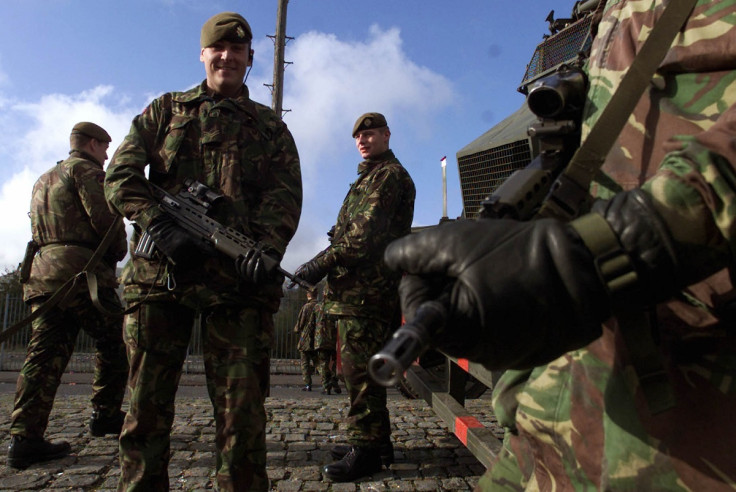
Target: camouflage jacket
{"type": "Point", "coordinates": [582, 422]}
{"type": "Point", "coordinates": [378, 208]}
{"type": "Point", "coordinates": [69, 219]}
{"type": "Point", "coordinates": [235, 146]}
{"type": "Point", "coordinates": [325, 331]}
{"type": "Point", "coordinates": [305, 325]}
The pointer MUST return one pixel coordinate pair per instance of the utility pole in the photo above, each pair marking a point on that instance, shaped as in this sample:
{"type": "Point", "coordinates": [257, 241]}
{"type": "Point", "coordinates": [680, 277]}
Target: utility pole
{"type": "Point", "coordinates": [277, 89]}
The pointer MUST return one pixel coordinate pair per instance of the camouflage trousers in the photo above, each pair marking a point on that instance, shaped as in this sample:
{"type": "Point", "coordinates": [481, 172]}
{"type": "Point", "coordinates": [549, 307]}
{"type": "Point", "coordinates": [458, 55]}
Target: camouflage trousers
{"type": "Point", "coordinates": [308, 364]}
{"type": "Point", "coordinates": [368, 419]}
{"type": "Point", "coordinates": [49, 350]}
{"type": "Point", "coordinates": [326, 367]}
{"type": "Point", "coordinates": [236, 342]}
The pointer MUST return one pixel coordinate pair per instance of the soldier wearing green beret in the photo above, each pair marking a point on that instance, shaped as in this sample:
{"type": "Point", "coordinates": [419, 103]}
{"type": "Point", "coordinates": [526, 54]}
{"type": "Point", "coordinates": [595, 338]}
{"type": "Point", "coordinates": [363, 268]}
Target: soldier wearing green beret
{"type": "Point", "coordinates": [361, 296]}
{"type": "Point", "coordinates": [215, 134]}
{"type": "Point", "coordinates": [69, 218]}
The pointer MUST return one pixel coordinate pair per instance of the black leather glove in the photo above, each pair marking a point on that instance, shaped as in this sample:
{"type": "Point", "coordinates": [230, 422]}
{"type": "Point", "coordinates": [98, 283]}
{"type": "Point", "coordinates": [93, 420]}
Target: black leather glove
{"type": "Point", "coordinates": [524, 293]}
{"type": "Point", "coordinates": [315, 269]}
{"type": "Point", "coordinates": [173, 241]}
{"type": "Point", "coordinates": [258, 265]}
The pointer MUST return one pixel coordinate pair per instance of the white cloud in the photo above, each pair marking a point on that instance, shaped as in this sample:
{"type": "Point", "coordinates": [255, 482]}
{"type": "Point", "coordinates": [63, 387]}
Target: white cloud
{"type": "Point", "coordinates": [30, 149]}
{"type": "Point", "coordinates": [330, 83]}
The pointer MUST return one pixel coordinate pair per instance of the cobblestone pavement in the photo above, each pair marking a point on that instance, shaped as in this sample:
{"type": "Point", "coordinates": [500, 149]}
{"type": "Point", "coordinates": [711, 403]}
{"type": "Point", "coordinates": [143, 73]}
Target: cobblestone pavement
{"type": "Point", "coordinates": [300, 434]}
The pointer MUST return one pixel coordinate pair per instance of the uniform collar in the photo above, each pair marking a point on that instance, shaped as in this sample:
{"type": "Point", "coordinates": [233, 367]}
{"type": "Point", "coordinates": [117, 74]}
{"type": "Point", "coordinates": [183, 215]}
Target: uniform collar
{"type": "Point", "coordinates": [369, 163]}
{"type": "Point", "coordinates": [84, 155]}
{"type": "Point", "coordinates": [202, 93]}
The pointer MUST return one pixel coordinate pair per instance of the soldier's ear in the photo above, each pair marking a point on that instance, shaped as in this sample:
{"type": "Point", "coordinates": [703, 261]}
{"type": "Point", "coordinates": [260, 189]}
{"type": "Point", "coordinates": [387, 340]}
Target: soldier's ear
{"type": "Point", "coordinates": [250, 59]}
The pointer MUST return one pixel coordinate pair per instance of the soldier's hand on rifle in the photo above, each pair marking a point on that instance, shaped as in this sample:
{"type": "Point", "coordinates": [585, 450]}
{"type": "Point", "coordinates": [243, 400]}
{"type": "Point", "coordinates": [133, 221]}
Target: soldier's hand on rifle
{"type": "Point", "coordinates": [523, 293]}
{"type": "Point", "coordinates": [173, 241]}
{"type": "Point", "coordinates": [315, 269]}
{"type": "Point", "coordinates": [255, 266]}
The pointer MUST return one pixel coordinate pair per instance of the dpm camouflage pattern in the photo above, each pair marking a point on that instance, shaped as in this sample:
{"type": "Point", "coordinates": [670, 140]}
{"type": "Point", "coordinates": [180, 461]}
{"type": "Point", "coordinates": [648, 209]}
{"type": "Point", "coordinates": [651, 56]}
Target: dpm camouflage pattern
{"type": "Point", "coordinates": [362, 293]}
{"type": "Point", "coordinates": [368, 418]}
{"type": "Point", "coordinates": [378, 208]}
{"type": "Point", "coordinates": [49, 350]}
{"type": "Point", "coordinates": [69, 219]}
{"type": "Point", "coordinates": [325, 342]}
{"type": "Point", "coordinates": [236, 343]}
{"type": "Point", "coordinates": [581, 422]}
{"type": "Point", "coordinates": [305, 325]}
{"type": "Point", "coordinates": [236, 147]}
{"type": "Point", "coordinates": [244, 151]}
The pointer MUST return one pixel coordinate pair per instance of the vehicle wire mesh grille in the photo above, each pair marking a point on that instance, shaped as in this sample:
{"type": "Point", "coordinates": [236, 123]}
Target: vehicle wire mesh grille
{"type": "Point", "coordinates": [562, 47]}
{"type": "Point", "coordinates": [481, 173]}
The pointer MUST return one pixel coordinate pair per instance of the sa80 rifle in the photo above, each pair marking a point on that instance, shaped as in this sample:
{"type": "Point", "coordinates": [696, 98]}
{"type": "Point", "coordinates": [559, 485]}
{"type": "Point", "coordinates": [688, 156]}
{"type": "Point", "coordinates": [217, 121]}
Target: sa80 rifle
{"type": "Point", "coordinates": [189, 209]}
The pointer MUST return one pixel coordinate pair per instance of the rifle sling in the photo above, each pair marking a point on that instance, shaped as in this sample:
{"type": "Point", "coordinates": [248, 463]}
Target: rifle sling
{"type": "Point", "coordinates": [570, 194]}
{"type": "Point", "coordinates": [63, 294]}
{"type": "Point", "coordinates": [571, 190]}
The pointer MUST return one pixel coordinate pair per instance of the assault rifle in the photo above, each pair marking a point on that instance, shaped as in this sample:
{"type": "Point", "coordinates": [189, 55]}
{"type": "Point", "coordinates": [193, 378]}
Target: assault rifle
{"type": "Point", "coordinates": [189, 209]}
{"type": "Point", "coordinates": [557, 100]}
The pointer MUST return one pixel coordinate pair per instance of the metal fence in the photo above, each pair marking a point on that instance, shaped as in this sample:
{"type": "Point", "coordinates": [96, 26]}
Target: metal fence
{"type": "Point", "coordinates": [284, 353]}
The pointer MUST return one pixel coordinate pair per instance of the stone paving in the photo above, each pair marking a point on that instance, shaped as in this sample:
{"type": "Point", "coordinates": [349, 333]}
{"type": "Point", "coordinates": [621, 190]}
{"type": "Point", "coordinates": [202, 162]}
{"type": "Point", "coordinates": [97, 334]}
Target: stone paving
{"type": "Point", "coordinates": [300, 435]}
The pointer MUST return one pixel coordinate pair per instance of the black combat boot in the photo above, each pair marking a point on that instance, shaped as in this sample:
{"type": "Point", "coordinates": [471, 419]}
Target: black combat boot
{"type": "Point", "coordinates": [100, 425]}
{"type": "Point", "coordinates": [307, 387]}
{"type": "Point", "coordinates": [359, 462]}
{"type": "Point", "coordinates": [25, 451]}
{"type": "Point", "coordinates": [386, 450]}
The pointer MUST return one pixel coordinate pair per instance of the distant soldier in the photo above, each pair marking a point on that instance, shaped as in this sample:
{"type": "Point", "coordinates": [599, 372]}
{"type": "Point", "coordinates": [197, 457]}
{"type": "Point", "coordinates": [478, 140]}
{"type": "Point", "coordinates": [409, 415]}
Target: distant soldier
{"type": "Point", "coordinates": [362, 292]}
{"type": "Point", "coordinates": [215, 134]}
{"type": "Point", "coordinates": [69, 219]}
{"type": "Point", "coordinates": [325, 342]}
{"type": "Point", "coordinates": [305, 325]}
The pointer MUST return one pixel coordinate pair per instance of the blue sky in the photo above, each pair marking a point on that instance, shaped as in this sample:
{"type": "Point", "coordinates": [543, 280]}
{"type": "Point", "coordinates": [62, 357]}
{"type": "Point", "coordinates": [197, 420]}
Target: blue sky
{"type": "Point", "coordinates": [443, 72]}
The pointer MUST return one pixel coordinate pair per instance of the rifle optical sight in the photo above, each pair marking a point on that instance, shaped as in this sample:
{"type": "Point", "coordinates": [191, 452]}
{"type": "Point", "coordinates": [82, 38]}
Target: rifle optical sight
{"type": "Point", "coordinates": [558, 94]}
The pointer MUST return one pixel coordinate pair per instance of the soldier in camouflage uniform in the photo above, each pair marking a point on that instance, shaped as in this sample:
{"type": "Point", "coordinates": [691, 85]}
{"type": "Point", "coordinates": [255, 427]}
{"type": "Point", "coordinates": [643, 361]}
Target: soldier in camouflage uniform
{"type": "Point", "coordinates": [69, 218]}
{"type": "Point", "coordinates": [305, 325]}
{"type": "Point", "coordinates": [216, 134]}
{"type": "Point", "coordinates": [362, 292]}
{"type": "Point", "coordinates": [529, 296]}
{"type": "Point", "coordinates": [325, 343]}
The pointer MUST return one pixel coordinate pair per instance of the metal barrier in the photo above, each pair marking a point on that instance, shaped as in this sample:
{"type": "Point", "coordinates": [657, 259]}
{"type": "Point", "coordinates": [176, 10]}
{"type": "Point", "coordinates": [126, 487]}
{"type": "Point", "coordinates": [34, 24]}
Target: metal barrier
{"type": "Point", "coordinates": [448, 400]}
{"type": "Point", "coordinates": [284, 353]}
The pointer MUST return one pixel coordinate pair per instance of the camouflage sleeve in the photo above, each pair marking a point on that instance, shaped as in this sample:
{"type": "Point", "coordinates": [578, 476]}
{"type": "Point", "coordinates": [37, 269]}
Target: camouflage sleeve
{"type": "Point", "coordinates": [305, 318]}
{"type": "Point", "coordinates": [369, 230]}
{"type": "Point", "coordinates": [126, 186]}
{"type": "Point", "coordinates": [695, 187]}
{"type": "Point", "coordinates": [89, 184]}
{"type": "Point", "coordinates": [279, 209]}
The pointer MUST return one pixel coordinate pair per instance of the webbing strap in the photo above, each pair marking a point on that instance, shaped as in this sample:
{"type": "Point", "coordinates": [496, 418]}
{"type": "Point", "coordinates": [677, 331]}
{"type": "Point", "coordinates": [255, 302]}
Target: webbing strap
{"type": "Point", "coordinates": [63, 294]}
{"type": "Point", "coordinates": [617, 273]}
{"type": "Point", "coordinates": [570, 192]}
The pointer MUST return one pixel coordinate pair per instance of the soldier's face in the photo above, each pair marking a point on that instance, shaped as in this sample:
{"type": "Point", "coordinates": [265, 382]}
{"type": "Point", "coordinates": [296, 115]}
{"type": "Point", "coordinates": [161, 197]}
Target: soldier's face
{"type": "Point", "coordinates": [99, 150]}
{"type": "Point", "coordinates": [225, 64]}
{"type": "Point", "coordinates": [372, 142]}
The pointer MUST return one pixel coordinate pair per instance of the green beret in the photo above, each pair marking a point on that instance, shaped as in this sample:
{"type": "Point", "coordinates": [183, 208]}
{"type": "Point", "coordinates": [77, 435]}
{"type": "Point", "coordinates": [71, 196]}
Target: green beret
{"type": "Point", "coordinates": [368, 121]}
{"type": "Point", "coordinates": [92, 131]}
{"type": "Point", "coordinates": [227, 26]}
